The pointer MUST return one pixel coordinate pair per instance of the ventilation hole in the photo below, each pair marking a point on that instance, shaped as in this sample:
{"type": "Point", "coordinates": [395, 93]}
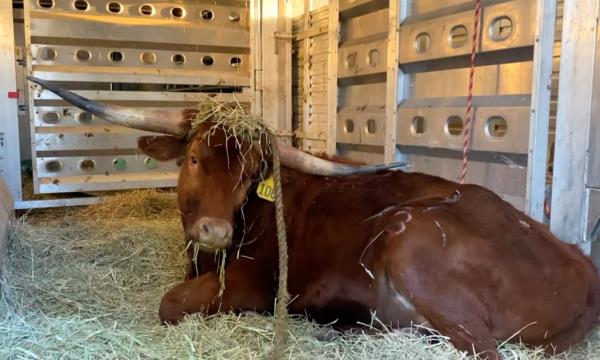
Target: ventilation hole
{"type": "Point", "coordinates": [150, 163]}
{"type": "Point", "coordinates": [148, 58]}
{"type": "Point", "coordinates": [208, 14]}
{"type": "Point", "coordinates": [81, 5]}
{"type": "Point", "coordinates": [417, 126]}
{"type": "Point", "coordinates": [114, 7]}
{"type": "Point", "coordinates": [51, 117]}
{"type": "Point", "coordinates": [458, 36]}
{"type": "Point", "coordinates": [178, 59]}
{"type": "Point", "coordinates": [235, 61]}
{"type": "Point", "coordinates": [116, 56]}
{"type": "Point", "coordinates": [422, 42]}
{"type": "Point", "coordinates": [53, 166]}
{"type": "Point", "coordinates": [119, 164]}
{"type": "Point", "coordinates": [350, 62]}
{"type": "Point", "coordinates": [454, 125]}
{"type": "Point", "coordinates": [349, 126]}
{"type": "Point", "coordinates": [496, 127]}
{"type": "Point", "coordinates": [87, 165]}
{"type": "Point", "coordinates": [147, 10]}
{"type": "Point", "coordinates": [84, 117]}
{"type": "Point", "coordinates": [208, 60]}
{"type": "Point", "coordinates": [373, 58]}
{"type": "Point", "coordinates": [501, 28]}
{"type": "Point", "coordinates": [47, 53]}
{"type": "Point", "coordinates": [177, 12]}
{"type": "Point", "coordinates": [234, 16]}
{"type": "Point", "coordinates": [46, 4]}
{"type": "Point", "coordinates": [371, 126]}
{"type": "Point", "coordinates": [83, 55]}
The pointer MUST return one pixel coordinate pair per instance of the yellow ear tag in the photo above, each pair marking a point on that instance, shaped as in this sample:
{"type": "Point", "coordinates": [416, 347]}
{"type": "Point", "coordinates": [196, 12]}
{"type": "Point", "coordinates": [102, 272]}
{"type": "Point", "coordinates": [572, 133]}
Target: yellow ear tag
{"type": "Point", "coordinates": [266, 189]}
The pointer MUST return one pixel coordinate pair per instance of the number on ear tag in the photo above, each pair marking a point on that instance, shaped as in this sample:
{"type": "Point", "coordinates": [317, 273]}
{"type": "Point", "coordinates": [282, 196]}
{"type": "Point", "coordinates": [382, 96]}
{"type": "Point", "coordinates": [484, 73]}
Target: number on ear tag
{"type": "Point", "coordinates": [266, 189]}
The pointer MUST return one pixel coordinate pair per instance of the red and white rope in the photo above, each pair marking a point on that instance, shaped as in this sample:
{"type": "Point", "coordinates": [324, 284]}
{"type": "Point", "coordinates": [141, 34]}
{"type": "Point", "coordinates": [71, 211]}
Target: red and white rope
{"type": "Point", "coordinates": [468, 120]}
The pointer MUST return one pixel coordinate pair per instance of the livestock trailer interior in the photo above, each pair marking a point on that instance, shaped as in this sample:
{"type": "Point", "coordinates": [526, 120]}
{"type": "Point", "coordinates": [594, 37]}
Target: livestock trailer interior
{"type": "Point", "coordinates": [376, 81]}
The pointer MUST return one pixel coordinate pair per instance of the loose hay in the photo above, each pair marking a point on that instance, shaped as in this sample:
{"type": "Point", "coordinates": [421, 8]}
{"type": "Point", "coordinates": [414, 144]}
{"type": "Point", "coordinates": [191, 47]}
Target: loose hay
{"type": "Point", "coordinates": [86, 284]}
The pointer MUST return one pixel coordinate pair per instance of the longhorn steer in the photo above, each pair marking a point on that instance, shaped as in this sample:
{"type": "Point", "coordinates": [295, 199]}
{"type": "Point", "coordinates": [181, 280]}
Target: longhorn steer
{"type": "Point", "coordinates": [411, 247]}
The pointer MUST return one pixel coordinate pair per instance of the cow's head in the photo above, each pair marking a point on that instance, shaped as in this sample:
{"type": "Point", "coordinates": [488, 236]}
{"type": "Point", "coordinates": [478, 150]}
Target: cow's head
{"type": "Point", "coordinates": [213, 179]}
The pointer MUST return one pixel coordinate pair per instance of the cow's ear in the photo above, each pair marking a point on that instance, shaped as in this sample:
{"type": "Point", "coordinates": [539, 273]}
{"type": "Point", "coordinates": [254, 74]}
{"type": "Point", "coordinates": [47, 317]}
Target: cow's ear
{"type": "Point", "coordinates": [162, 148]}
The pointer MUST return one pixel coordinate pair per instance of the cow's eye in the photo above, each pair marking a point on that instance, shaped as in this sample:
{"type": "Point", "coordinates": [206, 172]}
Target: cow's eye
{"type": "Point", "coordinates": [194, 160]}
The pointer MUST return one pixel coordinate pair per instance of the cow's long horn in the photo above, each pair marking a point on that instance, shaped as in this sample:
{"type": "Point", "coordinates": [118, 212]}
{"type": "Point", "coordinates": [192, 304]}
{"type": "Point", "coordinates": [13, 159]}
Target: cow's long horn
{"type": "Point", "coordinates": [166, 122]}
{"type": "Point", "coordinates": [299, 160]}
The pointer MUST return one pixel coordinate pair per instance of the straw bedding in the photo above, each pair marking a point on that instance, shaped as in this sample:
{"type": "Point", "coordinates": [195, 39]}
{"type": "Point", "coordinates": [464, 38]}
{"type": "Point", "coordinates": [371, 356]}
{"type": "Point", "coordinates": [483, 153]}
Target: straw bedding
{"type": "Point", "coordinates": [86, 284]}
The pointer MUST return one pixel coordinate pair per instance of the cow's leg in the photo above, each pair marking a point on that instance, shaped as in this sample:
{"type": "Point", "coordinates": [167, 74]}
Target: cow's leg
{"type": "Point", "coordinates": [245, 289]}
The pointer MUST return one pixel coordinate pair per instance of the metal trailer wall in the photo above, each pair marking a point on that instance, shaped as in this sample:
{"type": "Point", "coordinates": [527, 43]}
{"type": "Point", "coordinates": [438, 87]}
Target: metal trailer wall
{"type": "Point", "coordinates": [132, 53]}
{"type": "Point", "coordinates": [426, 76]}
{"type": "Point", "coordinates": [576, 182]}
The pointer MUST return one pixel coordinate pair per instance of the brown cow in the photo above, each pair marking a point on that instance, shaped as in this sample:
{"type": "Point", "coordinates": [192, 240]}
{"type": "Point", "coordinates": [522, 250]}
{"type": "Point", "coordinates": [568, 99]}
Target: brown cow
{"type": "Point", "coordinates": [409, 247]}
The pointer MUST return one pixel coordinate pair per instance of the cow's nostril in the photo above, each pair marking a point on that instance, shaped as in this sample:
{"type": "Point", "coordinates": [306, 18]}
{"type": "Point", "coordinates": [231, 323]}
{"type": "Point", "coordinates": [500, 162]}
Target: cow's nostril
{"type": "Point", "coordinates": [205, 228]}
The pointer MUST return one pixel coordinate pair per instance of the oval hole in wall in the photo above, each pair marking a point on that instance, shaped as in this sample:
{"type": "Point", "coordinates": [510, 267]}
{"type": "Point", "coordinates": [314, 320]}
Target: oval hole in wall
{"type": "Point", "coordinates": [373, 58]}
{"type": "Point", "coordinates": [496, 127]}
{"type": "Point", "coordinates": [51, 117]}
{"type": "Point", "coordinates": [81, 5]}
{"type": "Point", "coordinates": [178, 59]}
{"type": "Point", "coordinates": [208, 14]}
{"type": "Point", "coordinates": [47, 53]}
{"type": "Point", "coordinates": [350, 61]}
{"type": "Point", "coordinates": [148, 58]}
{"type": "Point", "coordinates": [417, 126]}
{"type": "Point", "coordinates": [208, 60]}
{"type": "Point", "coordinates": [84, 117]}
{"type": "Point", "coordinates": [454, 125]}
{"type": "Point", "coordinates": [116, 56]}
{"type": "Point", "coordinates": [235, 61]}
{"type": "Point", "coordinates": [87, 165]}
{"type": "Point", "coordinates": [114, 7]}
{"type": "Point", "coordinates": [501, 28]}
{"type": "Point", "coordinates": [458, 37]}
{"type": "Point", "coordinates": [147, 10]}
{"type": "Point", "coordinates": [422, 42]}
{"type": "Point", "coordinates": [46, 4]}
{"type": "Point", "coordinates": [83, 55]}
{"type": "Point", "coordinates": [53, 166]}
{"type": "Point", "coordinates": [371, 126]}
{"type": "Point", "coordinates": [177, 12]}
{"type": "Point", "coordinates": [349, 126]}
{"type": "Point", "coordinates": [234, 16]}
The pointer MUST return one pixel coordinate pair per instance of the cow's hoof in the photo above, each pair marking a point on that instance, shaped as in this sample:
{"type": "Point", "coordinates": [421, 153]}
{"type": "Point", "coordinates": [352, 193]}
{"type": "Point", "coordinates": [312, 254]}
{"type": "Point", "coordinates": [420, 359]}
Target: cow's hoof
{"type": "Point", "coordinates": [170, 313]}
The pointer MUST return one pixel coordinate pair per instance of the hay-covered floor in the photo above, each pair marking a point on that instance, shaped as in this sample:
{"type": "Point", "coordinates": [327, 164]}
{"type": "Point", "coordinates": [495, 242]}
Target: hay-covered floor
{"type": "Point", "coordinates": [86, 284]}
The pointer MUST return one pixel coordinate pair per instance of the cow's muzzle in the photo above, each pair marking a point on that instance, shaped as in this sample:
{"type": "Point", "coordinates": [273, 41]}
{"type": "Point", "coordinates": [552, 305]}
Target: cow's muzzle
{"type": "Point", "coordinates": [211, 233]}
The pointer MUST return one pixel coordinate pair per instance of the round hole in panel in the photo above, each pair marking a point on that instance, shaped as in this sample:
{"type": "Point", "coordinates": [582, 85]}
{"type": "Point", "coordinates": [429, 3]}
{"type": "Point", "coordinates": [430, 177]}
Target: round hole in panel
{"type": "Point", "coordinates": [51, 117]}
{"type": "Point", "coordinates": [46, 4]}
{"type": "Point", "coordinates": [148, 58]}
{"type": "Point", "coordinates": [150, 163]}
{"type": "Point", "coordinates": [87, 165]}
{"type": "Point", "coordinates": [119, 164]}
{"type": "Point", "coordinates": [235, 62]}
{"type": "Point", "coordinates": [83, 55]}
{"type": "Point", "coordinates": [84, 117]}
{"type": "Point", "coordinates": [417, 126]}
{"type": "Point", "coordinates": [147, 9]}
{"type": "Point", "coordinates": [234, 16]}
{"type": "Point", "coordinates": [177, 12]}
{"type": "Point", "coordinates": [114, 7]}
{"type": "Point", "coordinates": [371, 126]}
{"type": "Point", "coordinates": [350, 61]}
{"type": "Point", "coordinates": [208, 60]}
{"type": "Point", "coordinates": [208, 14]}
{"type": "Point", "coordinates": [349, 126]}
{"type": "Point", "coordinates": [501, 28]}
{"type": "Point", "coordinates": [458, 37]}
{"type": "Point", "coordinates": [496, 127]}
{"type": "Point", "coordinates": [81, 5]}
{"type": "Point", "coordinates": [373, 58]}
{"type": "Point", "coordinates": [422, 42]}
{"type": "Point", "coordinates": [116, 56]}
{"type": "Point", "coordinates": [47, 53]}
{"type": "Point", "coordinates": [178, 59]}
{"type": "Point", "coordinates": [53, 166]}
{"type": "Point", "coordinates": [454, 125]}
